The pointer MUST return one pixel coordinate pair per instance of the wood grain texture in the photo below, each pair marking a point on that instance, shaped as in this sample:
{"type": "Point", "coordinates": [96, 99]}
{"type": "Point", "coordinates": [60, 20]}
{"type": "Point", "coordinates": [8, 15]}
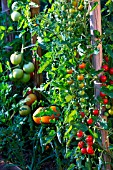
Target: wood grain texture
{"type": "Point", "coordinates": [38, 78]}
{"type": "Point", "coordinates": [95, 24]}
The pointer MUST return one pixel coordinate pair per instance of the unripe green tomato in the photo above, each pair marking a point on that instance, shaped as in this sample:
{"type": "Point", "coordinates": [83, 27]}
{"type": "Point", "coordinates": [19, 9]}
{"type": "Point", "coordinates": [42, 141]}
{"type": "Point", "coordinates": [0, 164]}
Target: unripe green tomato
{"type": "Point", "coordinates": [15, 16]}
{"type": "Point", "coordinates": [16, 58]}
{"type": "Point", "coordinates": [82, 100]}
{"type": "Point", "coordinates": [29, 68]}
{"type": "Point", "coordinates": [25, 78]}
{"type": "Point", "coordinates": [11, 77]}
{"type": "Point", "coordinates": [24, 110]}
{"type": "Point", "coordinates": [108, 106]}
{"type": "Point", "coordinates": [17, 73]}
{"type": "Point", "coordinates": [81, 92]}
{"type": "Point", "coordinates": [106, 114]}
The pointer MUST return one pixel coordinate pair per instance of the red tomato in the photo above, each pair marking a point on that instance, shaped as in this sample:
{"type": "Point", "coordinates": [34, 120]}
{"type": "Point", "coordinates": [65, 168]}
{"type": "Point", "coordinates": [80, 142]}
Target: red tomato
{"type": "Point", "coordinates": [111, 82]}
{"type": "Point", "coordinates": [89, 138]}
{"type": "Point", "coordinates": [82, 114]}
{"type": "Point", "coordinates": [90, 143]}
{"type": "Point", "coordinates": [103, 78]}
{"type": "Point", "coordinates": [82, 66]}
{"type": "Point", "coordinates": [83, 151]}
{"type": "Point", "coordinates": [106, 58]}
{"type": "Point", "coordinates": [102, 94]}
{"type": "Point", "coordinates": [105, 101]}
{"type": "Point", "coordinates": [80, 144]}
{"type": "Point", "coordinates": [90, 150]}
{"type": "Point", "coordinates": [80, 133]}
{"type": "Point", "coordinates": [90, 121]}
{"type": "Point", "coordinates": [96, 112]}
{"type": "Point", "coordinates": [105, 67]}
{"type": "Point", "coordinates": [111, 71]}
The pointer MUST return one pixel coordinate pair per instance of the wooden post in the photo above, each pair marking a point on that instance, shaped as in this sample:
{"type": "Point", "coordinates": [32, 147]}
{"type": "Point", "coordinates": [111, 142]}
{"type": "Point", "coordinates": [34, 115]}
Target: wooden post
{"type": "Point", "coordinates": [38, 78]}
{"type": "Point", "coordinates": [95, 24]}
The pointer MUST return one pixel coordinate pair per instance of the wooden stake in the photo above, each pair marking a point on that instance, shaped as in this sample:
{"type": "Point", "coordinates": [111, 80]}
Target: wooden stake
{"type": "Point", "coordinates": [95, 24]}
{"type": "Point", "coordinates": [38, 78]}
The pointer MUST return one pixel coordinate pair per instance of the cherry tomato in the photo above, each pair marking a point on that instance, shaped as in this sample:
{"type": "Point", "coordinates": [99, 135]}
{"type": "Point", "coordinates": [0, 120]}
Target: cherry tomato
{"type": "Point", "coordinates": [82, 66]}
{"type": "Point", "coordinates": [90, 121]}
{"type": "Point", "coordinates": [80, 77]}
{"type": "Point", "coordinates": [83, 151]}
{"type": "Point", "coordinates": [90, 150]}
{"type": "Point", "coordinates": [105, 67]}
{"type": "Point", "coordinates": [111, 71]}
{"type": "Point", "coordinates": [102, 94]}
{"type": "Point", "coordinates": [80, 144]}
{"type": "Point", "coordinates": [89, 138]}
{"type": "Point", "coordinates": [80, 133]}
{"type": "Point", "coordinates": [105, 101]}
{"type": "Point", "coordinates": [90, 143]}
{"type": "Point", "coordinates": [103, 78]}
{"type": "Point", "coordinates": [82, 114]}
{"type": "Point", "coordinates": [96, 112]}
{"type": "Point", "coordinates": [111, 82]}
{"type": "Point", "coordinates": [106, 58]}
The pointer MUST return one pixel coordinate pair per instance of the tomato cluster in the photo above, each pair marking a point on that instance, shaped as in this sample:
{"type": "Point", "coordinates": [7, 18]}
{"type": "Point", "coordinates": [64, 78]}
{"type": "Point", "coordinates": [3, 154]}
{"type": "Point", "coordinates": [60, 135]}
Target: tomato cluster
{"type": "Point", "coordinates": [85, 145]}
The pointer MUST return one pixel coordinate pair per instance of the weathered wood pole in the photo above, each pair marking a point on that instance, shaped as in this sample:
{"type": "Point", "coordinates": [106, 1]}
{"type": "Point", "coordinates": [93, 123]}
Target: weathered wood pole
{"type": "Point", "coordinates": [38, 78]}
{"type": "Point", "coordinates": [95, 24]}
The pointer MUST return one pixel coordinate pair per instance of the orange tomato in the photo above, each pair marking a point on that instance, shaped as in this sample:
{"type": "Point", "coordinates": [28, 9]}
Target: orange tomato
{"type": "Point", "coordinates": [37, 119]}
{"type": "Point", "coordinates": [30, 99]}
{"type": "Point", "coordinates": [70, 82]}
{"type": "Point", "coordinates": [70, 71]}
{"type": "Point", "coordinates": [80, 77]}
{"type": "Point", "coordinates": [45, 119]}
{"type": "Point", "coordinates": [55, 110]}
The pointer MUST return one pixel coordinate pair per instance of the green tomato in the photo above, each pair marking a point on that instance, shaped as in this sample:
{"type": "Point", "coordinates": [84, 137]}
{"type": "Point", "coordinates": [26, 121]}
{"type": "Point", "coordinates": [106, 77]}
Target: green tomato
{"type": "Point", "coordinates": [15, 16]}
{"type": "Point", "coordinates": [16, 58]}
{"type": "Point", "coordinates": [29, 68]}
{"type": "Point", "coordinates": [17, 73]}
{"type": "Point", "coordinates": [11, 77]}
{"type": "Point", "coordinates": [68, 98]}
{"type": "Point", "coordinates": [25, 78]}
{"type": "Point", "coordinates": [24, 110]}
{"type": "Point", "coordinates": [81, 92]}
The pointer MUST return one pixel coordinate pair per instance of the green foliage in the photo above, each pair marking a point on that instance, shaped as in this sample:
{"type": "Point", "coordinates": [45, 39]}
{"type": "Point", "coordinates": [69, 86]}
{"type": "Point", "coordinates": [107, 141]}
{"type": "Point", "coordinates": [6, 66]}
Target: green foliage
{"type": "Point", "coordinates": [63, 34]}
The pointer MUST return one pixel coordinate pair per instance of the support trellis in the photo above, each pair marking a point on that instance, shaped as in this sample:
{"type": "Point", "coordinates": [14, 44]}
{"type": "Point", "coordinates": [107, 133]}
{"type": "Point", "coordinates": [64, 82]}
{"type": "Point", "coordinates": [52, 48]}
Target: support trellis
{"type": "Point", "coordinates": [38, 78]}
{"type": "Point", "coordinates": [95, 24]}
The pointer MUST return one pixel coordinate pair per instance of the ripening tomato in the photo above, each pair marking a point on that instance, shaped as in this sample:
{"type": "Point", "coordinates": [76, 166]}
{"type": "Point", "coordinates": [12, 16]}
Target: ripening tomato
{"type": "Point", "coordinates": [82, 66]}
{"type": "Point", "coordinates": [90, 150]}
{"type": "Point", "coordinates": [90, 121]}
{"type": "Point", "coordinates": [105, 101]}
{"type": "Point", "coordinates": [96, 112]}
{"type": "Point", "coordinates": [80, 7]}
{"type": "Point", "coordinates": [80, 133]}
{"type": "Point", "coordinates": [80, 144]}
{"type": "Point", "coordinates": [30, 99]}
{"type": "Point", "coordinates": [80, 77]}
{"type": "Point", "coordinates": [24, 110]}
{"type": "Point", "coordinates": [83, 151]}
{"type": "Point", "coordinates": [111, 71]}
{"type": "Point", "coordinates": [102, 94]}
{"type": "Point", "coordinates": [103, 78]}
{"type": "Point", "coordinates": [81, 85]}
{"type": "Point", "coordinates": [74, 3]}
{"type": "Point", "coordinates": [105, 67]}
{"type": "Point", "coordinates": [70, 71]}
{"type": "Point", "coordinates": [89, 138]}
